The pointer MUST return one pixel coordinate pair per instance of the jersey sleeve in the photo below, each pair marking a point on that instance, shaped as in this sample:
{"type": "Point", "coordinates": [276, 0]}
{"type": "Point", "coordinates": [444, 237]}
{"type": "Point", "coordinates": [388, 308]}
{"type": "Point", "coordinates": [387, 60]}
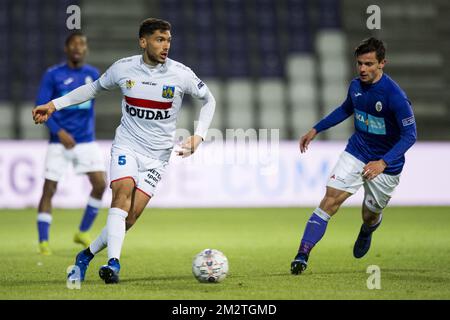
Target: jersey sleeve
{"type": "Point", "coordinates": [45, 94]}
{"type": "Point", "coordinates": [194, 86]}
{"type": "Point", "coordinates": [108, 80]}
{"type": "Point", "coordinates": [404, 117]}
{"type": "Point", "coordinates": [341, 113]}
{"type": "Point", "coordinates": [95, 74]}
{"type": "Point", "coordinates": [46, 89]}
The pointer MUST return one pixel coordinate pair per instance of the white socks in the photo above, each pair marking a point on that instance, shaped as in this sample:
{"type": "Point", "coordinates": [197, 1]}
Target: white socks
{"type": "Point", "coordinates": [115, 226]}
{"type": "Point", "coordinates": [100, 243]}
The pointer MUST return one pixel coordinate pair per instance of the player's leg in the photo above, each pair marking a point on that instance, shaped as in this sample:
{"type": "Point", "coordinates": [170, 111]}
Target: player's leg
{"type": "Point", "coordinates": [140, 201]}
{"type": "Point", "coordinates": [89, 160]}
{"type": "Point", "coordinates": [44, 217]}
{"type": "Point", "coordinates": [377, 193]}
{"type": "Point", "coordinates": [150, 174]}
{"type": "Point", "coordinates": [344, 181]}
{"type": "Point", "coordinates": [123, 173]}
{"type": "Point", "coordinates": [97, 180]}
{"type": "Point", "coordinates": [56, 162]}
{"type": "Point", "coordinates": [371, 221]}
{"type": "Point", "coordinates": [317, 225]}
{"type": "Point", "coordinates": [111, 236]}
{"type": "Point", "coordinates": [122, 195]}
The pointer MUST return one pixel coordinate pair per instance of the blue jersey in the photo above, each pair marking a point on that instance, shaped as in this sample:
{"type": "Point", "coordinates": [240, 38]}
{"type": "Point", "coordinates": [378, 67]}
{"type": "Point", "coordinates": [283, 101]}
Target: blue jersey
{"type": "Point", "coordinates": [78, 120]}
{"type": "Point", "coordinates": [385, 127]}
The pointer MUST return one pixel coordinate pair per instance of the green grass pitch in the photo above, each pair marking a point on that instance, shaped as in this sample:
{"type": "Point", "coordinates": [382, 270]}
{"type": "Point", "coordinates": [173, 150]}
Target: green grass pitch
{"type": "Point", "coordinates": [411, 248]}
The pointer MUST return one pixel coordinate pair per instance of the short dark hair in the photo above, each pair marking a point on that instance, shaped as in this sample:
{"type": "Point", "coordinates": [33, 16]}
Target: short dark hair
{"type": "Point", "coordinates": [74, 34]}
{"type": "Point", "coordinates": [150, 25]}
{"type": "Point", "coordinates": [370, 45]}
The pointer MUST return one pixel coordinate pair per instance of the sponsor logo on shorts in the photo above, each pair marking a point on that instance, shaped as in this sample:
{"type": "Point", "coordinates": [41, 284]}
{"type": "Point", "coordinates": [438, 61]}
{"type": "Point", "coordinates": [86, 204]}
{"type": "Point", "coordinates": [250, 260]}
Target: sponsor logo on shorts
{"type": "Point", "coordinates": [200, 85]}
{"type": "Point", "coordinates": [334, 177]}
{"type": "Point", "coordinates": [153, 177]}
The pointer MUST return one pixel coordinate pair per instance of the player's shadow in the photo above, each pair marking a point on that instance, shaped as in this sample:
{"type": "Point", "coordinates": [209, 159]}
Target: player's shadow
{"type": "Point", "coordinates": [156, 278]}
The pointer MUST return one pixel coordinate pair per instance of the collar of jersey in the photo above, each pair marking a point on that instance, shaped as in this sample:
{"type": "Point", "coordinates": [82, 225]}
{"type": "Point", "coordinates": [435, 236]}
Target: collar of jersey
{"type": "Point", "coordinates": [159, 67]}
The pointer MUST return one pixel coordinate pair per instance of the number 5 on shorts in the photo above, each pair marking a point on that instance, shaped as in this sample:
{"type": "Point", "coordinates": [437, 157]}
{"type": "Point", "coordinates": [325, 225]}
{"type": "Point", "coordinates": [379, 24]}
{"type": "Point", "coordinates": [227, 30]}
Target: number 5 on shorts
{"type": "Point", "coordinates": [122, 160]}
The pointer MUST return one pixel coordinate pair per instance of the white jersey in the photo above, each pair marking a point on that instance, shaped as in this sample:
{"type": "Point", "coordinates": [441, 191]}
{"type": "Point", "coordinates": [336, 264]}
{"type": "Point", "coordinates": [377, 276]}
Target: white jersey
{"type": "Point", "coordinates": [151, 102]}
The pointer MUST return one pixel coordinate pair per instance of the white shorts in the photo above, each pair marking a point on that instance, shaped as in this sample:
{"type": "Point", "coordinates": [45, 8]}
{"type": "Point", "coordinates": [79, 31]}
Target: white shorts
{"type": "Point", "coordinates": [347, 176]}
{"type": "Point", "coordinates": [145, 171]}
{"type": "Point", "coordinates": [85, 157]}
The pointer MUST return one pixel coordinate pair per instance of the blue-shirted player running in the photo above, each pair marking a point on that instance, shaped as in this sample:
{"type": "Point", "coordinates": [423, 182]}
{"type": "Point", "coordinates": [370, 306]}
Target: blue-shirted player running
{"type": "Point", "coordinates": [375, 154]}
{"type": "Point", "coordinates": [72, 139]}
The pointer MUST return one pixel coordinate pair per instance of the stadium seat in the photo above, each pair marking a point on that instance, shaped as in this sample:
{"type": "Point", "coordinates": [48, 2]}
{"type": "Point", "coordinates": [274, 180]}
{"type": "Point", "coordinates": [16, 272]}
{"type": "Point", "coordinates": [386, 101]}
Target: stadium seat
{"type": "Point", "coordinates": [333, 94]}
{"type": "Point", "coordinates": [334, 70]}
{"type": "Point", "coordinates": [239, 95]}
{"type": "Point", "coordinates": [304, 107]}
{"type": "Point", "coordinates": [329, 14]}
{"type": "Point", "coordinates": [301, 67]}
{"type": "Point", "coordinates": [29, 129]}
{"type": "Point", "coordinates": [6, 121]}
{"type": "Point", "coordinates": [333, 73]}
{"type": "Point", "coordinates": [331, 42]}
{"type": "Point", "coordinates": [271, 98]}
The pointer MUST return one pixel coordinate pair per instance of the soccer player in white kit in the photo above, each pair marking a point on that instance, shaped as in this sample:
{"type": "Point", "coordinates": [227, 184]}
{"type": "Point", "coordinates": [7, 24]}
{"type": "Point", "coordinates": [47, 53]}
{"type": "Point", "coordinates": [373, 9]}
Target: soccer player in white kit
{"type": "Point", "coordinates": [153, 87]}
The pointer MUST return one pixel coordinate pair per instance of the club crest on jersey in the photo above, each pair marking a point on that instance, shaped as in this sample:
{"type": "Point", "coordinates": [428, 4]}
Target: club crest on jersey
{"type": "Point", "coordinates": [378, 106]}
{"type": "Point", "coordinates": [129, 84]}
{"type": "Point", "coordinates": [168, 92]}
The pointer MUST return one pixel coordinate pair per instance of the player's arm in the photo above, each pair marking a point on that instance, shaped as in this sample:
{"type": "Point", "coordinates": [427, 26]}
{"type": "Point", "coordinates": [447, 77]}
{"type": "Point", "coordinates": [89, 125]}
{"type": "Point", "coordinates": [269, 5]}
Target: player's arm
{"type": "Point", "coordinates": [198, 89]}
{"type": "Point", "coordinates": [45, 94]}
{"type": "Point", "coordinates": [341, 113]}
{"type": "Point", "coordinates": [408, 135]}
{"type": "Point", "coordinates": [204, 121]}
{"type": "Point", "coordinates": [81, 94]}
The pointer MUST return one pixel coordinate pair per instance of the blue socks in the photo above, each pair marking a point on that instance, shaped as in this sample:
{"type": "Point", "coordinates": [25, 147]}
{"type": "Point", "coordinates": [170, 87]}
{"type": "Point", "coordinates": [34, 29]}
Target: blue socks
{"type": "Point", "coordinates": [314, 231]}
{"type": "Point", "coordinates": [90, 213]}
{"type": "Point", "coordinates": [367, 230]}
{"type": "Point", "coordinates": [44, 220]}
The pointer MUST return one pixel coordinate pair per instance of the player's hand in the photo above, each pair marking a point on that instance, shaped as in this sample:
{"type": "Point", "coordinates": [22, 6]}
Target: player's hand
{"type": "Point", "coordinates": [373, 169]}
{"type": "Point", "coordinates": [189, 146]}
{"type": "Point", "coordinates": [43, 112]}
{"type": "Point", "coordinates": [66, 139]}
{"type": "Point", "coordinates": [306, 139]}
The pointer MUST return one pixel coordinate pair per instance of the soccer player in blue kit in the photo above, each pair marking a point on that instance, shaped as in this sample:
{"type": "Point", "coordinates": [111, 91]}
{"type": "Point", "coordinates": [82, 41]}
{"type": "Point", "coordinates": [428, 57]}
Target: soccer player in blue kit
{"type": "Point", "coordinates": [375, 154]}
{"type": "Point", "coordinates": [72, 139]}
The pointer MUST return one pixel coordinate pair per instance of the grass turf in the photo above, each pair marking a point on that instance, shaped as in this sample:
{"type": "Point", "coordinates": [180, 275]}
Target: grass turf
{"type": "Point", "coordinates": [411, 248]}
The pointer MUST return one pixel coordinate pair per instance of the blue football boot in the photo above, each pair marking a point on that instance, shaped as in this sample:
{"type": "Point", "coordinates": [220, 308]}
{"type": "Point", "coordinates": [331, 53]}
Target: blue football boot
{"type": "Point", "coordinates": [362, 244]}
{"type": "Point", "coordinates": [110, 272]}
{"type": "Point", "coordinates": [82, 260]}
{"type": "Point", "coordinates": [299, 264]}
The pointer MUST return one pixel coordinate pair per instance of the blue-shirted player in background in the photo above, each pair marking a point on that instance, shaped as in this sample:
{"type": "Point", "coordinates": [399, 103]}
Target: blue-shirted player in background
{"type": "Point", "coordinates": [374, 157]}
{"type": "Point", "coordinates": [72, 139]}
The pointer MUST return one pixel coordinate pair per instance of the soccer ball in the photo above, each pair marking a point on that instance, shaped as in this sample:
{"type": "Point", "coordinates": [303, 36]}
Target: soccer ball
{"type": "Point", "coordinates": [210, 265]}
